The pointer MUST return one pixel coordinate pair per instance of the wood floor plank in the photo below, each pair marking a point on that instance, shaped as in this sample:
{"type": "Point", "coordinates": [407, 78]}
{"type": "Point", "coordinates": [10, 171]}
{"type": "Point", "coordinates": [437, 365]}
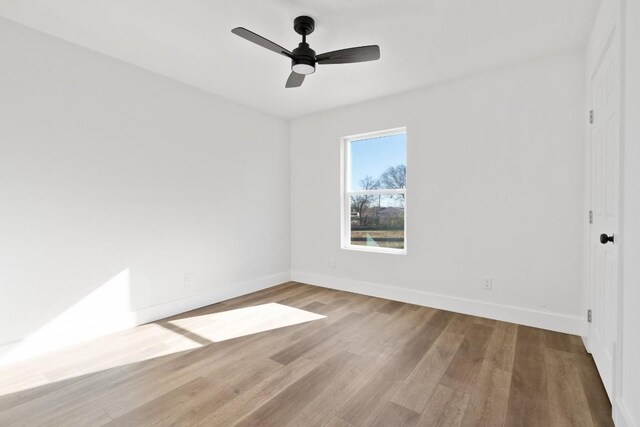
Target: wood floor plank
{"type": "Point", "coordinates": [445, 408]}
{"type": "Point", "coordinates": [72, 410]}
{"type": "Point", "coordinates": [85, 390]}
{"type": "Point", "coordinates": [365, 405]}
{"type": "Point", "coordinates": [365, 304]}
{"type": "Point", "coordinates": [342, 340]}
{"type": "Point", "coordinates": [278, 410]}
{"type": "Point", "coordinates": [392, 414]}
{"type": "Point", "coordinates": [595, 393]}
{"type": "Point", "coordinates": [138, 390]}
{"type": "Point", "coordinates": [152, 413]}
{"type": "Point", "coordinates": [299, 348]}
{"type": "Point", "coordinates": [337, 422]}
{"type": "Point", "coordinates": [307, 295]}
{"type": "Point", "coordinates": [502, 346]}
{"type": "Point", "coordinates": [391, 332]}
{"type": "Point", "coordinates": [463, 370]}
{"type": "Point", "coordinates": [567, 402]}
{"type": "Point", "coordinates": [235, 410]}
{"type": "Point", "coordinates": [197, 398]}
{"type": "Point", "coordinates": [460, 323]}
{"type": "Point", "coordinates": [22, 384]}
{"type": "Point", "coordinates": [562, 342]}
{"type": "Point", "coordinates": [489, 397]}
{"type": "Point", "coordinates": [313, 306]}
{"type": "Point", "coordinates": [332, 398]}
{"type": "Point", "coordinates": [416, 390]}
{"type": "Point", "coordinates": [390, 307]}
{"type": "Point", "coordinates": [528, 398]}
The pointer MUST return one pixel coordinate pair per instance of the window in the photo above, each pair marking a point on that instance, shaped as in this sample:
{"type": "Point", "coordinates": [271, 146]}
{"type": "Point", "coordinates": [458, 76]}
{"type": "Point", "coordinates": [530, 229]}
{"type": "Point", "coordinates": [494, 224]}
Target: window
{"type": "Point", "coordinates": [374, 175]}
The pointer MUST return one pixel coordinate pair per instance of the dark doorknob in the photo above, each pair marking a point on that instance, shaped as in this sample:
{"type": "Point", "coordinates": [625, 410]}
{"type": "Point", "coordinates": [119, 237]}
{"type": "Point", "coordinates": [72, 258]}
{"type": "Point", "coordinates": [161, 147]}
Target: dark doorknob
{"type": "Point", "coordinates": [604, 239]}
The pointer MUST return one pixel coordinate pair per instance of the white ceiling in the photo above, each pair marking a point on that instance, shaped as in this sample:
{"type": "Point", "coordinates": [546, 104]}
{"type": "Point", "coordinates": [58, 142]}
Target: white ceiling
{"type": "Point", "coordinates": [421, 41]}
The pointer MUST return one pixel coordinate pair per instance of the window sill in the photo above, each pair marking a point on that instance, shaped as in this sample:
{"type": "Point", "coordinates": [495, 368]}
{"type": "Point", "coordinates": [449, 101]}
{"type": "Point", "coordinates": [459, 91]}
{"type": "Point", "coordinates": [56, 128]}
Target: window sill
{"type": "Point", "coordinates": [374, 249]}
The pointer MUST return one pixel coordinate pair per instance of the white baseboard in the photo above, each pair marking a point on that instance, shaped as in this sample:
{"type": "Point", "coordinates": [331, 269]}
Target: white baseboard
{"type": "Point", "coordinates": [156, 312]}
{"type": "Point", "coordinates": [621, 415]}
{"type": "Point", "coordinates": [552, 321]}
{"type": "Point", "coordinates": [76, 330]}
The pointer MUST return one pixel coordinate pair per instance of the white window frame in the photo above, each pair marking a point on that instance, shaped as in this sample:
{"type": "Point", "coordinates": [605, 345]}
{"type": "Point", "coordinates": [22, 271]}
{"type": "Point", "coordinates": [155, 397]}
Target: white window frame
{"type": "Point", "coordinates": [345, 185]}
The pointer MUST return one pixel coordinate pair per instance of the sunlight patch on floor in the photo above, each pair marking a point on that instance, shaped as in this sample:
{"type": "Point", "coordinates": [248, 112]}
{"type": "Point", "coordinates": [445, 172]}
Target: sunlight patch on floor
{"type": "Point", "coordinates": [226, 325]}
{"type": "Point", "coordinates": [147, 342]}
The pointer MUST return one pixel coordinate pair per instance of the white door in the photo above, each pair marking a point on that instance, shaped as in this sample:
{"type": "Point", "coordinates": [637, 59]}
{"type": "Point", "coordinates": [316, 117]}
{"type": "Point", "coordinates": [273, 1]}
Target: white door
{"type": "Point", "coordinates": [605, 191]}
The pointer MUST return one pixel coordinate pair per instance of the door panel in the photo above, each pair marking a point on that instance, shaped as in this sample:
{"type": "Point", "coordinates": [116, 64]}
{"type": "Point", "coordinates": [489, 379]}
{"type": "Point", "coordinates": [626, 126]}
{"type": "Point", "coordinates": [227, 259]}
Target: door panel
{"type": "Point", "coordinates": [604, 258]}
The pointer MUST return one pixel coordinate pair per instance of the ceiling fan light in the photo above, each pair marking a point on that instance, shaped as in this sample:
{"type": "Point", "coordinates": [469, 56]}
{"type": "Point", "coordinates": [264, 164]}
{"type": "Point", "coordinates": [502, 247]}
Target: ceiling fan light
{"type": "Point", "coordinates": [303, 68]}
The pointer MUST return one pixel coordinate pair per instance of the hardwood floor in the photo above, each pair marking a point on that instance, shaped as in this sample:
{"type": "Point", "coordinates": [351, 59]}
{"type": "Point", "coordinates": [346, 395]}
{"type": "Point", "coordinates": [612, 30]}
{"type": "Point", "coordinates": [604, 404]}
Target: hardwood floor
{"type": "Point", "coordinates": [367, 362]}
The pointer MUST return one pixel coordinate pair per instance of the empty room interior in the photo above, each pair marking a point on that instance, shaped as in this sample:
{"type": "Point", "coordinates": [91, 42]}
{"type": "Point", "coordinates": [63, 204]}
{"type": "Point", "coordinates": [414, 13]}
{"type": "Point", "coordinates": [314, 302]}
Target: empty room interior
{"type": "Point", "coordinates": [320, 213]}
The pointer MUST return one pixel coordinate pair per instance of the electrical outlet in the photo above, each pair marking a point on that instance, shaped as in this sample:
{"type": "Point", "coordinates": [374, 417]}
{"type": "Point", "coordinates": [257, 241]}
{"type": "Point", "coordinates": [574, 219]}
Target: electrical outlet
{"type": "Point", "coordinates": [488, 284]}
{"type": "Point", "coordinates": [187, 280]}
{"type": "Point", "coordinates": [332, 263]}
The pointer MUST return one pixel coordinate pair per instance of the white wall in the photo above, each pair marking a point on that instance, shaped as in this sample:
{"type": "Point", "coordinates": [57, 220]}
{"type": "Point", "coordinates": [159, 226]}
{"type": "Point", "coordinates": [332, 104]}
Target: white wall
{"type": "Point", "coordinates": [629, 401]}
{"type": "Point", "coordinates": [495, 189]}
{"type": "Point", "coordinates": [115, 182]}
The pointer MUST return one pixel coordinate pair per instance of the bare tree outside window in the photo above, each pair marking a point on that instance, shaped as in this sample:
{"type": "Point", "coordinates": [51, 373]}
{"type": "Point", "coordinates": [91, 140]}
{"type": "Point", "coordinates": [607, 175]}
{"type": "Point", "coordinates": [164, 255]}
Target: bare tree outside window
{"type": "Point", "coordinates": [394, 177]}
{"type": "Point", "coordinates": [361, 203]}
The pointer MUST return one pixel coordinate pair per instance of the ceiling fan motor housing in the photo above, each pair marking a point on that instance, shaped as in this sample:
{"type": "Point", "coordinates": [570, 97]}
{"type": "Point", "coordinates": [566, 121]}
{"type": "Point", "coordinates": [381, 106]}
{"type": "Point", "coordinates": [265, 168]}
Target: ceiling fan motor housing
{"type": "Point", "coordinates": [304, 59]}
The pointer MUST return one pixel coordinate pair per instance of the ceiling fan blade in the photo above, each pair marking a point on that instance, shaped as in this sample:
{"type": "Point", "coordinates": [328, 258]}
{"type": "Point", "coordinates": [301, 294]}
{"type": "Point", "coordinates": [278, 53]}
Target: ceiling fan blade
{"type": "Point", "coordinates": [294, 80]}
{"type": "Point", "coordinates": [350, 55]}
{"type": "Point", "coordinates": [261, 41]}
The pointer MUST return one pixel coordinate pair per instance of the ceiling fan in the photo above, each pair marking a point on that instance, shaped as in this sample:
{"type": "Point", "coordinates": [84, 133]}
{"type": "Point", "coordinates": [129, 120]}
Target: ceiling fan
{"type": "Point", "coordinates": [303, 58]}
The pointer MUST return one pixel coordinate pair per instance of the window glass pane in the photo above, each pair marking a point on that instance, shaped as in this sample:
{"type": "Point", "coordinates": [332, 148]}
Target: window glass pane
{"type": "Point", "coordinates": [378, 163]}
{"type": "Point", "coordinates": [378, 221]}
